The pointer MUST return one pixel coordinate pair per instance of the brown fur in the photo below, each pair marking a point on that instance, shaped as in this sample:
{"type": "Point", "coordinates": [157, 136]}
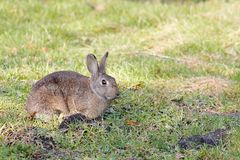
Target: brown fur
{"type": "Point", "coordinates": [69, 92]}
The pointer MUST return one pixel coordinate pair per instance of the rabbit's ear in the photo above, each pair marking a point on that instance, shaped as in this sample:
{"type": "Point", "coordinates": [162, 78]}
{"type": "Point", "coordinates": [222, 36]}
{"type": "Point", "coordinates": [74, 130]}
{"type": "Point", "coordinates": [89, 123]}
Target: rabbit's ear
{"type": "Point", "coordinates": [103, 63]}
{"type": "Point", "coordinates": [92, 65]}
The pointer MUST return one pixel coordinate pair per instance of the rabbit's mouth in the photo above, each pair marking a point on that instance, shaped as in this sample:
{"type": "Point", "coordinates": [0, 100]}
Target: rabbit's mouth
{"type": "Point", "coordinates": [112, 98]}
{"type": "Point", "coordinates": [109, 98]}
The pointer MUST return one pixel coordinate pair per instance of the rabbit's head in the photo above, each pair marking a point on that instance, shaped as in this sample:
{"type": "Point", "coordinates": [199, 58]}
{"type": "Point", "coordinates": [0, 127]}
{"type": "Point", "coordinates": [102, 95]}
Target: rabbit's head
{"type": "Point", "coordinates": [101, 84]}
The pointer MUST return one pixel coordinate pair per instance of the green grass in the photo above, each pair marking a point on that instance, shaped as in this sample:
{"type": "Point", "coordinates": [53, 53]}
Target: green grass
{"type": "Point", "coordinates": [188, 51]}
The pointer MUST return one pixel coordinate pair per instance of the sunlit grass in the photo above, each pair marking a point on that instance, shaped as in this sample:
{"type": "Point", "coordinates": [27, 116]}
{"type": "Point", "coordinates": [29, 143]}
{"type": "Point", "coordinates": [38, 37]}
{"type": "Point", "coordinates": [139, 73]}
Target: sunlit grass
{"type": "Point", "coordinates": [159, 52]}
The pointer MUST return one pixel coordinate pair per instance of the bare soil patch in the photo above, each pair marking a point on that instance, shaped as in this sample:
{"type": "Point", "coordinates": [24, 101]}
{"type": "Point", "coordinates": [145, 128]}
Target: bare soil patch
{"type": "Point", "coordinates": [210, 139]}
{"type": "Point", "coordinates": [206, 85]}
{"type": "Point", "coordinates": [46, 146]}
{"type": "Point", "coordinates": [19, 134]}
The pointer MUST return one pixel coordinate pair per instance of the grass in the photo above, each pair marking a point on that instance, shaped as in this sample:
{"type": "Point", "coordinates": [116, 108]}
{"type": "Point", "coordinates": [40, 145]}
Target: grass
{"type": "Point", "coordinates": [159, 52]}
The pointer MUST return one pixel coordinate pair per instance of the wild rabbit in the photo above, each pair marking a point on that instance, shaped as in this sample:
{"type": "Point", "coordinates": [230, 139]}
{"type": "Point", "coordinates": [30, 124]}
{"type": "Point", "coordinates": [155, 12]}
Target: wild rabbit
{"type": "Point", "coordinates": [68, 92]}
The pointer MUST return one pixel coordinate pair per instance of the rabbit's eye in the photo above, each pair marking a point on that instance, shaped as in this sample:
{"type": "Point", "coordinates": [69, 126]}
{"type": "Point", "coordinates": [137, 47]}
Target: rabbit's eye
{"type": "Point", "coordinates": [104, 82]}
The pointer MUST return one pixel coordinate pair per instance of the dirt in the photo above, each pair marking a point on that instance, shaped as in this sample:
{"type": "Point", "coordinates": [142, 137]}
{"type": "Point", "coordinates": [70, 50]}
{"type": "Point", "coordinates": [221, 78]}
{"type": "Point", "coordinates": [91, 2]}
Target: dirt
{"type": "Point", "coordinates": [46, 147]}
{"type": "Point", "coordinates": [73, 119]}
{"type": "Point", "coordinates": [210, 139]}
{"type": "Point", "coordinates": [207, 85]}
{"type": "Point", "coordinates": [13, 135]}
{"type": "Point", "coordinates": [29, 135]}
{"type": "Point", "coordinates": [79, 118]}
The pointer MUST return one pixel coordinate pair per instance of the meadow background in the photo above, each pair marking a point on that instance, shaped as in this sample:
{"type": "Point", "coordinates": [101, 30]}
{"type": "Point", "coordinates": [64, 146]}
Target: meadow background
{"type": "Point", "coordinates": [177, 64]}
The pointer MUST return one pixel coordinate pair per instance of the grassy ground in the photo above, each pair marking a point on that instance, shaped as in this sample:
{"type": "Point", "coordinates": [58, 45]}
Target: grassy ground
{"type": "Point", "coordinates": [177, 65]}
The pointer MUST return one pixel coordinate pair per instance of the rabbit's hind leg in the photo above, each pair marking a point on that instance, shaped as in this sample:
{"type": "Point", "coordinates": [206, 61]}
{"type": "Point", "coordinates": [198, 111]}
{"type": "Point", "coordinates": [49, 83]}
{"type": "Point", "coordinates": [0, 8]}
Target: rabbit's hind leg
{"type": "Point", "coordinates": [43, 104]}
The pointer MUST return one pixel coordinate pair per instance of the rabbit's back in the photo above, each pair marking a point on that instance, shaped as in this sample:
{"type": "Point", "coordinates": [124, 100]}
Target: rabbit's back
{"type": "Point", "coordinates": [67, 81]}
{"type": "Point", "coordinates": [58, 92]}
